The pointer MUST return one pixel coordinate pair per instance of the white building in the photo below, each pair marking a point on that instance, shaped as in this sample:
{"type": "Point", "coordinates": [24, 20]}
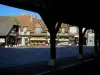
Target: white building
{"type": "Point", "coordinates": [90, 39]}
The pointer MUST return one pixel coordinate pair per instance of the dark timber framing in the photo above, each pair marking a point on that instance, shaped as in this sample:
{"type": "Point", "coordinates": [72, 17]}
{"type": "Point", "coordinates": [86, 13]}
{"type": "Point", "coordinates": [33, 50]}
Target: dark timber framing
{"type": "Point", "coordinates": [53, 41]}
{"type": "Point", "coordinates": [51, 23]}
{"type": "Point", "coordinates": [99, 40]}
{"type": "Point", "coordinates": [80, 41]}
{"type": "Point", "coordinates": [81, 36]}
{"type": "Point", "coordinates": [96, 47]}
{"type": "Point", "coordinates": [53, 44]}
{"type": "Point", "coordinates": [6, 38]}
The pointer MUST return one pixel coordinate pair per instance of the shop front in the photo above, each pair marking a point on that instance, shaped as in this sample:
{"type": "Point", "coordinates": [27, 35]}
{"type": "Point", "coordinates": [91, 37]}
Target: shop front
{"type": "Point", "coordinates": [38, 41]}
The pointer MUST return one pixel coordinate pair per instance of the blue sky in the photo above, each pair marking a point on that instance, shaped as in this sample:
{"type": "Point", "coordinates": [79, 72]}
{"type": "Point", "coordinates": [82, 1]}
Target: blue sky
{"type": "Point", "coordinates": [8, 11]}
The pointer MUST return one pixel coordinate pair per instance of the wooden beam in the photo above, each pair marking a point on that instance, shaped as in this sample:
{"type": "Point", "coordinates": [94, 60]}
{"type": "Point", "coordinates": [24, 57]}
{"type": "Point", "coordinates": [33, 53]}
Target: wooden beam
{"type": "Point", "coordinates": [84, 32]}
{"type": "Point", "coordinates": [96, 47]}
{"type": "Point", "coordinates": [57, 27]}
{"type": "Point", "coordinates": [50, 23]}
{"type": "Point", "coordinates": [99, 39]}
{"type": "Point", "coordinates": [80, 42]}
{"type": "Point", "coordinates": [6, 38]}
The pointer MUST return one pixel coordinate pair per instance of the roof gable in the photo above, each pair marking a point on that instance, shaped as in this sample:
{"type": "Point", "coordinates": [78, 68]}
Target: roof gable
{"type": "Point", "coordinates": [6, 23]}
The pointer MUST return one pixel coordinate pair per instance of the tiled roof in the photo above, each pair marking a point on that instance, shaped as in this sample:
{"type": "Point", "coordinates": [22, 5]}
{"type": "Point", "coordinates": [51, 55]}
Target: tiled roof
{"type": "Point", "coordinates": [26, 21]}
{"type": "Point", "coordinates": [65, 25]}
{"type": "Point", "coordinates": [6, 23]}
{"type": "Point", "coordinates": [41, 22]}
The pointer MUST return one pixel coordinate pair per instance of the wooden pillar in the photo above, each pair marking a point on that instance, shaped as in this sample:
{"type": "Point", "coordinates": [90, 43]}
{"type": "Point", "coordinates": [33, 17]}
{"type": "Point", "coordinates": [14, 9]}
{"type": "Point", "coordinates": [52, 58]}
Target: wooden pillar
{"type": "Point", "coordinates": [6, 38]}
{"type": "Point", "coordinates": [53, 44]}
{"type": "Point", "coordinates": [29, 40]}
{"type": "Point", "coordinates": [16, 41]}
{"type": "Point", "coordinates": [80, 43]}
{"type": "Point", "coordinates": [96, 47]}
{"type": "Point", "coordinates": [53, 47]}
{"type": "Point", "coordinates": [52, 50]}
{"type": "Point", "coordinates": [50, 23]}
{"type": "Point", "coordinates": [99, 39]}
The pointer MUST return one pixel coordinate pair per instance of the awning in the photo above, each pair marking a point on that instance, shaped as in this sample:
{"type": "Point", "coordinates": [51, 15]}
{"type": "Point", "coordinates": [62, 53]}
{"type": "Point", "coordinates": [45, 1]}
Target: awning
{"type": "Point", "coordinates": [63, 39]}
{"type": "Point", "coordinates": [76, 36]}
{"type": "Point", "coordinates": [44, 39]}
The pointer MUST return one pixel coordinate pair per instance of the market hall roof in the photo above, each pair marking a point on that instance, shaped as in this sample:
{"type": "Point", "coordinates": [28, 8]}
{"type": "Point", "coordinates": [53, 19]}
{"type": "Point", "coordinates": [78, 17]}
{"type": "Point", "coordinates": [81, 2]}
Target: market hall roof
{"type": "Point", "coordinates": [6, 23]}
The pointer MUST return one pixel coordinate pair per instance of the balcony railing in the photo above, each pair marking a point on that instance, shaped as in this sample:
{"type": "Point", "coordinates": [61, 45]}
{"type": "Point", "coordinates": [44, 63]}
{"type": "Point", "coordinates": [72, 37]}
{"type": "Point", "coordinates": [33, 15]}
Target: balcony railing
{"type": "Point", "coordinates": [38, 34]}
{"type": "Point", "coordinates": [62, 34]}
{"type": "Point", "coordinates": [45, 34]}
{"type": "Point", "coordinates": [12, 34]}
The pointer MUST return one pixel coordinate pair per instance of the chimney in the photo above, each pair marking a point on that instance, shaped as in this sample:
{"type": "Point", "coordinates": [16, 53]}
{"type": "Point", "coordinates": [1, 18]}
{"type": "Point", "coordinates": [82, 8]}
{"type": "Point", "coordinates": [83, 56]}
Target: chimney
{"type": "Point", "coordinates": [36, 17]}
{"type": "Point", "coordinates": [31, 17]}
{"type": "Point", "coordinates": [23, 14]}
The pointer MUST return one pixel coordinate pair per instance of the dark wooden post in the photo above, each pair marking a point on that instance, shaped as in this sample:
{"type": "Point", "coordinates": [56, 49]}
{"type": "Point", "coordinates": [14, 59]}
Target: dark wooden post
{"type": "Point", "coordinates": [50, 23]}
{"type": "Point", "coordinates": [52, 50]}
{"type": "Point", "coordinates": [99, 40]}
{"type": "Point", "coordinates": [29, 41]}
{"type": "Point", "coordinates": [6, 38]}
{"type": "Point", "coordinates": [80, 43]}
{"type": "Point", "coordinates": [53, 44]}
{"type": "Point", "coordinates": [96, 47]}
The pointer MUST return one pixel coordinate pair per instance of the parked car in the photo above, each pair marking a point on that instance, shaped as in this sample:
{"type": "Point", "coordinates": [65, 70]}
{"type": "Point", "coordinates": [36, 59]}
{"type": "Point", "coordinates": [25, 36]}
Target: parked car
{"type": "Point", "coordinates": [62, 44]}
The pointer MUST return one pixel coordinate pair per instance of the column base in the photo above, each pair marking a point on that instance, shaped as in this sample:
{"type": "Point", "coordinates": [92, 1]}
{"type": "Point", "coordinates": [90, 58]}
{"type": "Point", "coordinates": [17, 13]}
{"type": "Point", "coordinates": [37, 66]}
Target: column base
{"type": "Point", "coordinates": [52, 62]}
{"type": "Point", "coordinates": [95, 54]}
{"type": "Point", "coordinates": [6, 46]}
{"type": "Point", "coordinates": [80, 56]}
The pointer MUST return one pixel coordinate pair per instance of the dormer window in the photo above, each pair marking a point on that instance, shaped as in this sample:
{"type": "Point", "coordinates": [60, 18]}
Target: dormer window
{"type": "Point", "coordinates": [63, 29]}
{"type": "Point", "coordinates": [25, 29]}
{"type": "Point", "coordinates": [38, 30]}
{"type": "Point", "coordinates": [13, 31]}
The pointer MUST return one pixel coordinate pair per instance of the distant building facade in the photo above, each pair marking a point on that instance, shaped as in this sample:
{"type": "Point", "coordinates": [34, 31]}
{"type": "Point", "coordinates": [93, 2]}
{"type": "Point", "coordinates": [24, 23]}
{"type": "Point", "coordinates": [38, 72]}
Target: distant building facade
{"type": "Point", "coordinates": [8, 31]}
{"type": "Point", "coordinates": [33, 31]}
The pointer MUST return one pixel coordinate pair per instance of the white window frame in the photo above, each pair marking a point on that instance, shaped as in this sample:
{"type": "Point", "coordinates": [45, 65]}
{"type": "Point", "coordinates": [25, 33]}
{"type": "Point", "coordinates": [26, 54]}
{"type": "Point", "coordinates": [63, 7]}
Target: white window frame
{"type": "Point", "coordinates": [63, 30]}
{"type": "Point", "coordinates": [38, 29]}
{"type": "Point", "coordinates": [25, 29]}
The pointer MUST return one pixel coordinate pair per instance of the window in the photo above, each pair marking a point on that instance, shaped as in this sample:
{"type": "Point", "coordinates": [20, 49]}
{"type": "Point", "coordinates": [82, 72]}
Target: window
{"type": "Point", "coordinates": [38, 29]}
{"type": "Point", "coordinates": [12, 31]}
{"type": "Point", "coordinates": [25, 33]}
{"type": "Point", "coordinates": [90, 40]}
{"type": "Point", "coordinates": [63, 30]}
{"type": "Point", "coordinates": [48, 33]}
{"type": "Point", "coordinates": [25, 29]}
{"type": "Point", "coordinates": [28, 32]}
{"type": "Point", "coordinates": [73, 30]}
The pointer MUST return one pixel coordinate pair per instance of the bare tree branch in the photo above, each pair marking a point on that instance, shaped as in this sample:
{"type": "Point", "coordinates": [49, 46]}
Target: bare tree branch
{"type": "Point", "coordinates": [57, 27]}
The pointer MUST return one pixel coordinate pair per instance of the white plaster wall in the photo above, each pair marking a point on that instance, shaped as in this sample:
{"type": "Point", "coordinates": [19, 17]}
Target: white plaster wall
{"type": "Point", "coordinates": [23, 40]}
{"type": "Point", "coordinates": [28, 33]}
{"type": "Point", "coordinates": [73, 30]}
{"type": "Point", "coordinates": [22, 33]}
{"type": "Point", "coordinates": [19, 31]}
{"type": "Point", "coordinates": [2, 40]}
{"type": "Point", "coordinates": [90, 37]}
